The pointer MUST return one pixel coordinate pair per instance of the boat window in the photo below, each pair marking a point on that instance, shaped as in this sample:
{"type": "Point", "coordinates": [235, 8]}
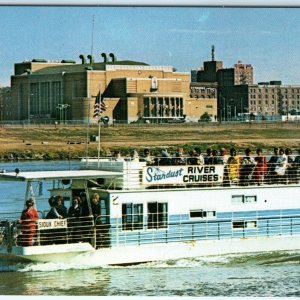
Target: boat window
{"type": "Point", "coordinates": [200, 213]}
{"type": "Point", "coordinates": [250, 199]}
{"type": "Point", "coordinates": [132, 216]}
{"type": "Point", "coordinates": [244, 224]}
{"type": "Point", "coordinates": [104, 211]}
{"type": "Point", "coordinates": [157, 215]}
{"type": "Point", "coordinates": [238, 199]}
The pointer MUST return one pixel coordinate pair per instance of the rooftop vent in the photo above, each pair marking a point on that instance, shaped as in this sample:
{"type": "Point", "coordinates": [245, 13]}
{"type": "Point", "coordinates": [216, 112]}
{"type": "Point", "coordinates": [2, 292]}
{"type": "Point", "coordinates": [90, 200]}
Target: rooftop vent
{"type": "Point", "coordinates": [39, 60]}
{"type": "Point", "coordinates": [104, 57]}
{"type": "Point", "coordinates": [81, 56]}
{"type": "Point", "coordinates": [113, 57]}
{"type": "Point", "coordinates": [68, 61]}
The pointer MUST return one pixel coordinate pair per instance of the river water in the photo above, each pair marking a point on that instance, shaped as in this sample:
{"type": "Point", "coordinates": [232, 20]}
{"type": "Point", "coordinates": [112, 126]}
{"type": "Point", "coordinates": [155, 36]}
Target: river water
{"type": "Point", "coordinates": [263, 275]}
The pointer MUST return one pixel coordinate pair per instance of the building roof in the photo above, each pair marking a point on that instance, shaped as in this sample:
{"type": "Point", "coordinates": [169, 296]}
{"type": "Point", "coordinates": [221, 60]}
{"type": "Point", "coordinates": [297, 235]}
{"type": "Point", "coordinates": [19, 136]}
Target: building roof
{"type": "Point", "coordinates": [71, 68]}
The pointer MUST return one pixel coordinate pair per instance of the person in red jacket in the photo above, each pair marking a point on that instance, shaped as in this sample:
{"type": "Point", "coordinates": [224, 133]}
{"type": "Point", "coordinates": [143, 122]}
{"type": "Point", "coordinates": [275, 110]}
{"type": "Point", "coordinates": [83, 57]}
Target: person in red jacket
{"type": "Point", "coordinates": [28, 220]}
{"type": "Point", "coordinates": [260, 168]}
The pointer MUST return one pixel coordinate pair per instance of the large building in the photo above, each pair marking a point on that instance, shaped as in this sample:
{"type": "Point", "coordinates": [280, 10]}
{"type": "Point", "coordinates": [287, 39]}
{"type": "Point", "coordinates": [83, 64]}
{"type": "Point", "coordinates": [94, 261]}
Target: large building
{"type": "Point", "coordinates": [133, 91]}
{"type": "Point", "coordinates": [262, 101]}
{"type": "Point", "coordinates": [272, 99]}
{"type": "Point", "coordinates": [5, 103]}
{"type": "Point", "coordinates": [213, 71]}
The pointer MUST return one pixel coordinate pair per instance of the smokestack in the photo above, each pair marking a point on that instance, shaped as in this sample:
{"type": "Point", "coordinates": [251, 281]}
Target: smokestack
{"type": "Point", "coordinates": [212, 53]}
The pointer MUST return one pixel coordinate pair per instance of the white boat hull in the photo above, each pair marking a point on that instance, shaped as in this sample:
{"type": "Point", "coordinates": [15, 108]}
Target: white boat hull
{"type": "Point", "coordinates": [153, 252]}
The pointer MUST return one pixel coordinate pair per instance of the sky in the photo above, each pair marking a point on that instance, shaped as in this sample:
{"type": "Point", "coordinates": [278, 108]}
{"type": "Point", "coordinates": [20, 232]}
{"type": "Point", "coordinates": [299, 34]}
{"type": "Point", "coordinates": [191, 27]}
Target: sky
{"type": "Point", "coordinates": [267, 38]}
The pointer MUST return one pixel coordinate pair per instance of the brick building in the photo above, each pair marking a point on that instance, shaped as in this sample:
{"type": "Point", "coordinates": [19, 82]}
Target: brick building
{"type": "Point", "coordinates": [133, 91]}
{"type": "Point", "coordinates": [271, 99]}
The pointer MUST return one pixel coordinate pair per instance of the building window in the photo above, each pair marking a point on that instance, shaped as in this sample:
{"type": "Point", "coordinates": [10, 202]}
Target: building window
{"type": "Point", "coordinates": [200, 213]}
{"type": "Point", "coordinates": [132, 216]}
{"type": "Point", "coordinates": [157, 215]}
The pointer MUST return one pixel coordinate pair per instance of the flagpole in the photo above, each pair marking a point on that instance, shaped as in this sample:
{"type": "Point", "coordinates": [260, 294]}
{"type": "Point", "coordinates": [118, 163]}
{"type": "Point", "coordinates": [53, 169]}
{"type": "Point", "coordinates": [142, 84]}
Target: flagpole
{"type": "Point", "coordinates": [99, 126]}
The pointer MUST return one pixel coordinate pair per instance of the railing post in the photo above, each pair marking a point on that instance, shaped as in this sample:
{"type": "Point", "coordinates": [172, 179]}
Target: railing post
{"type": "Point", "coordinates": [9, 236]}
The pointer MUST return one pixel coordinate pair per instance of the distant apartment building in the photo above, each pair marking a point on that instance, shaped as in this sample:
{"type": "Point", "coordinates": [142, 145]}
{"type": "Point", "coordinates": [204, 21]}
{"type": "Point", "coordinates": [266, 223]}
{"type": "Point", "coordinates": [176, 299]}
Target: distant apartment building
{"type": "Point", "coordinates": [271, 99]}
{"type": "Point", "coordinates": [243, 73]}
{"type": "Point", "coordinates": [262, 101]}
{"type": "Point", "coordinates": [133, 91]}
{"type": "Point", "coordinates": [5, 102]}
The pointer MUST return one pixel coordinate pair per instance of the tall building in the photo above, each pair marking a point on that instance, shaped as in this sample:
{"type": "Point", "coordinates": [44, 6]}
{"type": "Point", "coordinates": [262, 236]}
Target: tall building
{"type": "Point", "coordinates": [243, 73]}
{"type": "Point", "coordinates": [213, 71]}
{"type": "Point", "coordinates": [133, 91]}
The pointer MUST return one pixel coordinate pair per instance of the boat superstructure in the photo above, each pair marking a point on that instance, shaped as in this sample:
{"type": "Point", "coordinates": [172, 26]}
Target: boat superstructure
{"type": "Point", "coordinates": [156, 212]}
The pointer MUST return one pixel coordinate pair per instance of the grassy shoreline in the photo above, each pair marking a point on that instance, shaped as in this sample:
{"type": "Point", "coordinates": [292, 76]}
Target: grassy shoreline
{"type": "Point", "coordinates": [70, 142]}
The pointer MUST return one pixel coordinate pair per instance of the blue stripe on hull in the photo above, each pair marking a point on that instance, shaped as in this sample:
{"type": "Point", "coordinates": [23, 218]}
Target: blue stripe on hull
{"type": "Point", "coordinates": [181, 228]}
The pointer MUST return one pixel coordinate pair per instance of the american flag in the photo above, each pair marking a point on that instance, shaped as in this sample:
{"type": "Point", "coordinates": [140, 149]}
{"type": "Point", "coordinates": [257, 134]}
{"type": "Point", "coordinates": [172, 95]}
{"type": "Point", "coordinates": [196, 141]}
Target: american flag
{"type": "Point", "coordinates": [99, 106]}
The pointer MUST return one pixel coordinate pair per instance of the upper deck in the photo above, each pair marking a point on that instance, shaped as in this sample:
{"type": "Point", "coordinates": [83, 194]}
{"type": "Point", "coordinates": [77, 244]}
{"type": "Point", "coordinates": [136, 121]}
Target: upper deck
{"type": "Point", "coordinates": [185, 172]}
{"type": "Point", "coordinates": [162, 173]}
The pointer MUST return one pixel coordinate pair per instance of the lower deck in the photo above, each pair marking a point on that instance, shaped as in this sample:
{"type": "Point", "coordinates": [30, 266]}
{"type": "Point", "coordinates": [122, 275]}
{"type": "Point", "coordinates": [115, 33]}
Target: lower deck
{"type": "Point", "coordinates": [154, 229]}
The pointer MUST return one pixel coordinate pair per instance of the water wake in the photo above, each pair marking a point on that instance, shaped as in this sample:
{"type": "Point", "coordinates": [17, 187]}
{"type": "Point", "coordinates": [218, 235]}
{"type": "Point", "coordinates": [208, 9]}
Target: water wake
{"type": "Point", "coordinates": [91, 261]}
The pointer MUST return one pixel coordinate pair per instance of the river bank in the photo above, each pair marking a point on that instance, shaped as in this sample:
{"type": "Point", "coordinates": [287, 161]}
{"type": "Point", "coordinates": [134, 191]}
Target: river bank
{"type": "Point", "coordinates": [73, 142]}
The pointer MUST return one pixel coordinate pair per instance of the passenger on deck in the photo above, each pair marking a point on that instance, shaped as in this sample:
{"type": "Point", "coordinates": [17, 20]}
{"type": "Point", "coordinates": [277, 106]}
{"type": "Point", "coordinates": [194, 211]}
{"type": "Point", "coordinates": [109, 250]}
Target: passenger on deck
{"type": "Point", "coordinates": [166, 158]}
{"type": "Point", "coordinates": [224, 159]}
{"type": "Point", "coordinates": [247, 168]}
{"type": "Point", "coordinates": [179, 158]}
{"type": "Point", "coordinates": [233, 166]}
{"type": "Point", "coordinates": [95, 205]}
{"type": "Point", "coordinates": [117, 156]}
{"type": "Point", "coordinates": [28, 220]}
{"type": "Point", "coordinates": [86, 219]}
{"type": "Point", "coordinates": [195, 157]}
{"type": "Point", "coordinates": [216, 158]}
{"type": "Point", "coordinates": [271, 164]}
{"type": "Point", "coordinates": [147, 158]}
{"type": "Point", "coordinates": [74, 220]}
{"type": "Point", "coordinates": [261, 167]}
{"type": "Point", "coordinates": [291, 171]}
{"type": "Point", "coordinates": [281, 166]}
{"type": "Point", "coordinates": [134, 156]}
{"type": "Point", "coordinates": [57, 211]}
{"type": "Point", "coordinates": [297, 165]}
{"type": "Point", "coordinates": [223, 155]}
{"type": "Point", "coordinates": [74, 209]}
{"type": "Point", "coordinates": [60, 206]}
{"type": "Point", "coordinates": [208, 159]}
{"type": "Point", "coordinates": [53, 213]}
{"type": "Point", "coordinates": [84, 207]}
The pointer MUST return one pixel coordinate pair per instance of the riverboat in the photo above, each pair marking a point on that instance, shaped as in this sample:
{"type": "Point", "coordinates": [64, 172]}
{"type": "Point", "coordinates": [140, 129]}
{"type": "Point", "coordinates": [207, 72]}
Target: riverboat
{"type": "Point", "coordinates": [155, 212]}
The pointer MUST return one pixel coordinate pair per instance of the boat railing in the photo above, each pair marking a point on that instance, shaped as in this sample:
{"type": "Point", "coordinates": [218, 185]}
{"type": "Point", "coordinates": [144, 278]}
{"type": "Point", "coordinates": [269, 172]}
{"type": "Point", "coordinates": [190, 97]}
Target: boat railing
{"type": "Point", "coordinates": [200, 171]}
{"type": "Point", "coordinates": [222, 228]}
{"type": "Point", "coordinates": [146, 230]}
{"type": "Point", "coordinates": [224, 171]}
